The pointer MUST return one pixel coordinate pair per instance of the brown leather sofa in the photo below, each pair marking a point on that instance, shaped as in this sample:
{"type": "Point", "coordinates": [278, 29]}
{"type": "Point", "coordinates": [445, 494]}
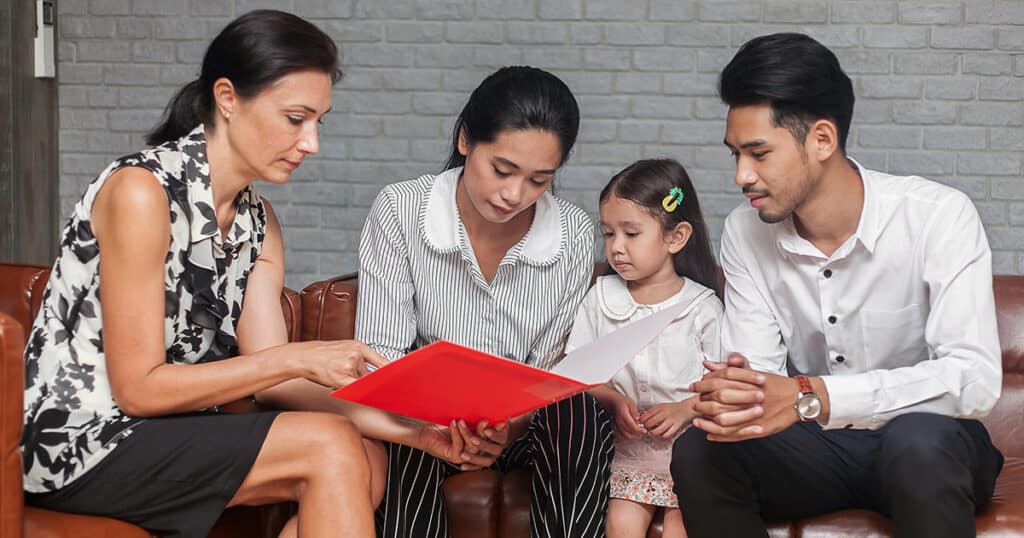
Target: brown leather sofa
{"type": "Point", "coordinates": [482, 504]}
{"type": "Point", "coordinates": [491, 504]}
{"type": "Point", "coordinates": [21, 291]}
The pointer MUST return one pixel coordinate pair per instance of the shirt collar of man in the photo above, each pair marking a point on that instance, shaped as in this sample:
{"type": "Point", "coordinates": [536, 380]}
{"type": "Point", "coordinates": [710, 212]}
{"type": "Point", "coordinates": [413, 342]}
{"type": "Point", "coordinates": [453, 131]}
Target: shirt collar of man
{"type": "Point", "coordinates": [442, 228]}
{"type": "Point", "coordinates": [867, 229]}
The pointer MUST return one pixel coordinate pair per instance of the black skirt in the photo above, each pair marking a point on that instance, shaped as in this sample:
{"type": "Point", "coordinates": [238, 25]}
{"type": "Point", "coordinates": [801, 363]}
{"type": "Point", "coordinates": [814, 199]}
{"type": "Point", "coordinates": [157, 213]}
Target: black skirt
{"type": "Point", "coordinates": [173, 476]}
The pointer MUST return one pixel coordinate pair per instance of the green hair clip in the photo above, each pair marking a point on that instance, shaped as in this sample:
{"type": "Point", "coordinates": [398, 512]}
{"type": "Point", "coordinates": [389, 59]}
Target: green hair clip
{"type": "Point", "coordinates": [672, 201]}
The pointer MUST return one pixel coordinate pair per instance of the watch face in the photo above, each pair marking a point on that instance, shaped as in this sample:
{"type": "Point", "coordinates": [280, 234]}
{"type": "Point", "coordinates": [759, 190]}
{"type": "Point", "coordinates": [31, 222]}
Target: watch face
{"type": "Point", "coordinates": [808, 406]}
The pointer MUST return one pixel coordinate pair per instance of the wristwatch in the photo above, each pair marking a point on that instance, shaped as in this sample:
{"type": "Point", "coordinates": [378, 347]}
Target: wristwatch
{"type": "Point", "coordinates": [808, 404]}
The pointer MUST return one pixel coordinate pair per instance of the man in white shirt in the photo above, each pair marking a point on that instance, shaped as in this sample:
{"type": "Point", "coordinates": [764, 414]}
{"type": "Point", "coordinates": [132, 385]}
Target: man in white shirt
{"type": "Point", "coordinates": [860, 318]}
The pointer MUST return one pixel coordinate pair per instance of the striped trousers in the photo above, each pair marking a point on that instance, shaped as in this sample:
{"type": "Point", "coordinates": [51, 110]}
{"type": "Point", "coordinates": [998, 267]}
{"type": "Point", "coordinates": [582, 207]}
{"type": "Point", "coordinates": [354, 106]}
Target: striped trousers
{"type": "Point", "coordinates": [568, 448]}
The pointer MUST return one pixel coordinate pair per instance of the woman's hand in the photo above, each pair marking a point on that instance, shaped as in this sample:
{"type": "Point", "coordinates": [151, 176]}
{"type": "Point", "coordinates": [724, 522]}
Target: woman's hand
{"type": "Point", "coordinates": [336, 363]}
{"type": "Point", "coordinates": [449, 444]}
{"type": "Point", "coordinates": [668, 419]}
{"type": "Point", "coordinates": [627, 418]}
{"type": "Point", "coordinates": [486, 443]}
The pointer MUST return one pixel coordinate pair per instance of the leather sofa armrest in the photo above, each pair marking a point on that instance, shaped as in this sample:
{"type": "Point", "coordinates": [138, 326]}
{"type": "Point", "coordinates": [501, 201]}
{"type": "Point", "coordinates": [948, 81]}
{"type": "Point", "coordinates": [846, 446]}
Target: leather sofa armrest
{"type": "Point", "coordinates": [291, 306]}
{"type": "Point", "coordinates": [329, 308]}
{"type": "Point", "coordinates": [472, 499]}
{"type": "Point", "coordinates": [12, 392]}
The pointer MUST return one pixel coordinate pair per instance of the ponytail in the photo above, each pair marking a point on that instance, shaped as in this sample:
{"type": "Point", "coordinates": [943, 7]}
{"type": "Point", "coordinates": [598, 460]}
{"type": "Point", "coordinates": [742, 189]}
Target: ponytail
{"type": "Point", "coordinates": [252, 51]}
{"type": "Point", "coordinates": [189, 107]}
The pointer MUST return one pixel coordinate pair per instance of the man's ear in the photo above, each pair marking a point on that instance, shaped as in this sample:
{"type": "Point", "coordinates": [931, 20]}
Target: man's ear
{"type": "Point", "coordinates": [224, 97]}
{"type": "Point", "coordinates": [822, 140]}
{"type": "Point", "coordinates": [679, 236]}
{"type": "Point", "coordinates": [463, 145]}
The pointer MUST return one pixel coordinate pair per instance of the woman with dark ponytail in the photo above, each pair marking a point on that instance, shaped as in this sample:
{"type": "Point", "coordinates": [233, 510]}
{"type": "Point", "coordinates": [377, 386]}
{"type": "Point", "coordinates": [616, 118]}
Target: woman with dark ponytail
{"type": "Point", "coordinates": [129, 359]}
{"type": "Point", "coordinates": [484, 255]}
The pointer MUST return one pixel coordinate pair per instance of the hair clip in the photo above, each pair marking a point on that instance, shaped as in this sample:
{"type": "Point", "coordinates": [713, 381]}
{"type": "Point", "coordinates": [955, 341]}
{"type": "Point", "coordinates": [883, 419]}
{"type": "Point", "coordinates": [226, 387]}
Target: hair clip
{"type": "Point", "coordinates": [672, 201]}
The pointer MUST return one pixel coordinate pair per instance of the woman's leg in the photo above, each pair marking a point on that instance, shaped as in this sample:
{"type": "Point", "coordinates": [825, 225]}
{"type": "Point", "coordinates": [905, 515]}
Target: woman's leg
{"type": "Point", "coordinates": [569, 448]}
{"type": "Point", "coordinates": [413, 505]}
{"type": "Point", "coordinates": [628, 519]}
{"type": "Point", "coordinates": [319, 460]}
{"type": "Point", "coordinates": [377, 455]}
{"type": "Point", "coordinates": [673, 525]}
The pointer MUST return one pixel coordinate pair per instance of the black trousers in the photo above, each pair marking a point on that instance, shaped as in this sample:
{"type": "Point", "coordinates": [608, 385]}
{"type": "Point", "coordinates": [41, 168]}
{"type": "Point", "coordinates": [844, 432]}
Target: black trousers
{"type": "Point", "coordinates": [568, 449]}
{"type": "Point", "coordinates": [927, 472]}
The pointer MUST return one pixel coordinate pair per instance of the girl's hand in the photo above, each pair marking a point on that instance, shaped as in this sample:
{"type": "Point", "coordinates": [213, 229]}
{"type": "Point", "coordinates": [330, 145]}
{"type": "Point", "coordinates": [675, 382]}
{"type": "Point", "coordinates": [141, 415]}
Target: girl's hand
{"type": "Point", "coordinates": [627, 419]}
{"type": "Point", "coordinates": [336, 363]}
{"type": "Point", "coordinates": [668, 419]}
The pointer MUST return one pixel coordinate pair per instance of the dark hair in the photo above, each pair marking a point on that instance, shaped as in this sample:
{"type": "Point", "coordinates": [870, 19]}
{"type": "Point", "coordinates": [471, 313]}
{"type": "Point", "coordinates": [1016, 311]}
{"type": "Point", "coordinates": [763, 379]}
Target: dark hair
{"type": "Point", "coordinates": [647, 183]}
{"type": "Point", "coordinates": [517, 98]}
{"type": "Point", "coordinates": [252, 52]}
{"type": "Point", "coordinates": [800, 78]}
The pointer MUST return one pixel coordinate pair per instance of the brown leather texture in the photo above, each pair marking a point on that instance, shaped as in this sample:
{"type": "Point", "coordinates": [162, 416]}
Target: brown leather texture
{"type": "Point", "coordinates": [329, 309]}
{"type": "Point", "coordinates": [291, 306]}
{"type": "Point", "coordinates": [484, 503]}
{"type": "Point", "coordinates": [21, 291]}
{"type": "Point", "coordinates": [329, 312]}
{"type": "Point", "coordinates": [12, 344]}
{"type": "Point", "coordinates": [472, 499]}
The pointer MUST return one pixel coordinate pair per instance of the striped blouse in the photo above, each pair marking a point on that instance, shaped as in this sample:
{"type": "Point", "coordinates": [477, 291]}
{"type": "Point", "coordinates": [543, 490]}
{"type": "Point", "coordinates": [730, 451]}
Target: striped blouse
{"type": "Point", "coordinates": [419, 280]}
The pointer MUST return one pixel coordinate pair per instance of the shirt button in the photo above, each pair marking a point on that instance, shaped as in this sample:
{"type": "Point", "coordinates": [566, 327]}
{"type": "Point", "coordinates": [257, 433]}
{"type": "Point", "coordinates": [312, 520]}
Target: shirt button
{"type": "Point", "coordinates": [828, 273]}
{"type": "Point", "coordinates": [832, 319]}
{"type": "Point", "coordinates": [848, 426]}
{"type": "Point", "coordinates": [840, 358]}
{"type": "Point", "coordinates": [643, 387]}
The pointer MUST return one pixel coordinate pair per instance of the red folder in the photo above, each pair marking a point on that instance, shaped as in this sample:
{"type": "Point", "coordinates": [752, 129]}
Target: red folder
{"type": "Point", "coordinates": [441, 379]}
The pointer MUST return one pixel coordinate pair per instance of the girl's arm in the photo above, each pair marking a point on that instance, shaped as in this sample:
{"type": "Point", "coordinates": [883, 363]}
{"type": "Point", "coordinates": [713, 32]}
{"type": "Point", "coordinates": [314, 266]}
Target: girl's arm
{"type": "Point", "coordinates": [131, 222]}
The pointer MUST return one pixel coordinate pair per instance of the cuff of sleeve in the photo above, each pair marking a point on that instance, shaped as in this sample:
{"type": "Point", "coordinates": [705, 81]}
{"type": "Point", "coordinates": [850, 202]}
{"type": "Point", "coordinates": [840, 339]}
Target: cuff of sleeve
{"type": "Point", "coordinates": [851, 403]}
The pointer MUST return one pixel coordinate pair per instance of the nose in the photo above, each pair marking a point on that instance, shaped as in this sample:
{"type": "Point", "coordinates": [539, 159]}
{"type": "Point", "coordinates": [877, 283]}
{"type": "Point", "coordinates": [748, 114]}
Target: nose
{"type": "Point", "coordinates": [745, 173]}
{"type": "Point", "coordinates": [512, 192]}
{"type": "Point", "coordinates": [309, 140]}
{"type": "Point", "coordinates": [615, 243]}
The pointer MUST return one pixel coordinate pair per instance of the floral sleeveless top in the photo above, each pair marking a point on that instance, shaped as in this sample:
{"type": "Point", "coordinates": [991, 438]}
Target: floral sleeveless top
{"type": "Point", "coordinates": [71, 419]}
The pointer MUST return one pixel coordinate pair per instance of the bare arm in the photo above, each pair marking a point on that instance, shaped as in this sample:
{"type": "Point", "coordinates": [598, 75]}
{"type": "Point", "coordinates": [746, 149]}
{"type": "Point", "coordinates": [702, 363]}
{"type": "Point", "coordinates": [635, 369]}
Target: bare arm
{"type": "Point", "coordinates": [132, 226]}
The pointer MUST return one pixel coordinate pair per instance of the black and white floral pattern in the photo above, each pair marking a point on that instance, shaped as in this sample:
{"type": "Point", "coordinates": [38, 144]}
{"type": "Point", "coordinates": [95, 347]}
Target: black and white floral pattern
{"type": "Point", "coordinates": [71, 419]}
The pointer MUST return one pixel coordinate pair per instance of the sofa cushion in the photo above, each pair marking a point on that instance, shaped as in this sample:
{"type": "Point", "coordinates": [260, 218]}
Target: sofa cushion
{"type": "Point", "coordinates": [21, 291]}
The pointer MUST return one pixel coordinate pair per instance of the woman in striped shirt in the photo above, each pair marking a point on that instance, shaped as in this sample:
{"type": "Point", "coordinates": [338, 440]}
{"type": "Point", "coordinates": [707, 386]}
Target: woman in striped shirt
{"type": "Point", "coordinates": [485, 256]}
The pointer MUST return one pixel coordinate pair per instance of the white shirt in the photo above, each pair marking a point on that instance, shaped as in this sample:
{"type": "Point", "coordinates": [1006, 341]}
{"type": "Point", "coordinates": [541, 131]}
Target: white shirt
{"type": "Point", "coordinates": [419, 280]}
{"type": "Point", "coordinates": [901, 318]}
{"type": "Point", "coordinates": [663, 370]}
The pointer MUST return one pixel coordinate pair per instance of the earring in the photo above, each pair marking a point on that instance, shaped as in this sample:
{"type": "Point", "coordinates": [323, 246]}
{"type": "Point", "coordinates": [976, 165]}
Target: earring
{"type": "Point", "coordinates": [227, 115]}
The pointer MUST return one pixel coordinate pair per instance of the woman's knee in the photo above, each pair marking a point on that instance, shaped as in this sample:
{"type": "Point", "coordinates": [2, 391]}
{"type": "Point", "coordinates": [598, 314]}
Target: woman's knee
{"type": "Point", "coordinates": [331, 446]}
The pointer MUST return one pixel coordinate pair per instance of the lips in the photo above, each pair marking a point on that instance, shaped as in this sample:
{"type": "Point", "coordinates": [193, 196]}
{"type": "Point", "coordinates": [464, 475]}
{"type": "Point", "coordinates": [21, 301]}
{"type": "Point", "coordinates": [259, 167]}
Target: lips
{"type": "Point", "coordinates": [292, 164]}
{"type": "Point", "coordinates": [756, 199]}
{"type": "Point", "coordinates": [501, 210]}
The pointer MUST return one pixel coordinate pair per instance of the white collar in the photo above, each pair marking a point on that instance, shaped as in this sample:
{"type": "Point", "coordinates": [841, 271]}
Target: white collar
{"type": "Point", "coordinates": [617, 303]}
{"type": "Point", "coordinates": [867, 226]}
{"type": "Point", "coordinates": [443, 231]}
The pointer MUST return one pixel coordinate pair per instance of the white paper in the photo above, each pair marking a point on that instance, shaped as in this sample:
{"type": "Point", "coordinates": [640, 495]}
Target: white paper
{"type": "Point", "coordinates": [595, 362]}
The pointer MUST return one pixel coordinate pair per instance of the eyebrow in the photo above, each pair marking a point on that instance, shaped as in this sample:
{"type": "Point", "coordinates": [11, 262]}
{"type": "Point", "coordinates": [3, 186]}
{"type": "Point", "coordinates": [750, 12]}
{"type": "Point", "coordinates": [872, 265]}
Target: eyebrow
{"type": "Point", "coordinates": [507, 162]}
{"type": "Point", "coordinates": [745, 145]}
{"type": "Point", "coordinates": [313, 110]}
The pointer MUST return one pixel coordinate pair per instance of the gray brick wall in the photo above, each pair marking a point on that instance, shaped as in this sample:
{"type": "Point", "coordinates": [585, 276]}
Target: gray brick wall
{"type": "Point", "coordinates": [939, 84]}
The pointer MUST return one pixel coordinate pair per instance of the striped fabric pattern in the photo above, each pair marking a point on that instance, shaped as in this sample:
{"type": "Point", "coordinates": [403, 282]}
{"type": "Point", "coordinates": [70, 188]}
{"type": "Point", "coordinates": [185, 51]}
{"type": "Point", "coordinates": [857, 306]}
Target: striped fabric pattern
{"type": "Point", "coordinates": [419, 281]}
{"type": "Point", "coordinates": [568, 450]}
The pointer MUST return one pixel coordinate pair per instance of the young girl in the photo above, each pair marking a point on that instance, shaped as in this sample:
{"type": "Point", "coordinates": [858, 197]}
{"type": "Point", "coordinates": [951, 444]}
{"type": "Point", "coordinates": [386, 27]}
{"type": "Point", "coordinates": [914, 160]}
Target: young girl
{"type": "Point", "coordinates": [657, 244]}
